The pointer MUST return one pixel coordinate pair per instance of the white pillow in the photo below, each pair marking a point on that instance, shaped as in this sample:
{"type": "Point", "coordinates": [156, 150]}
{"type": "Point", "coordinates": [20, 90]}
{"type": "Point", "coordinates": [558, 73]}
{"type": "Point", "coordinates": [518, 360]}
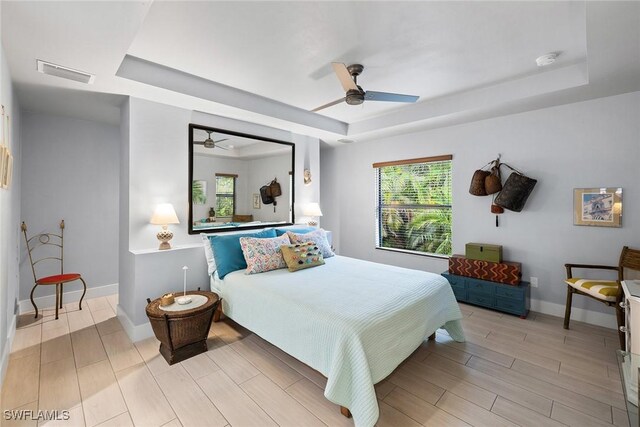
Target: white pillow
{"type": "Point", "coordinates": [208, 253]}
{"type": "Point", "coordinates": [208, 250]}
{"type": "Point", "coordinates": [319, 237]}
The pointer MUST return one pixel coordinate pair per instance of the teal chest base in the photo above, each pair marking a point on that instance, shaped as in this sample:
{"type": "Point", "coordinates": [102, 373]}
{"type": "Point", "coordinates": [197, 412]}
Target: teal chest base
{"type": "Point", "coordinates": [492, 295]}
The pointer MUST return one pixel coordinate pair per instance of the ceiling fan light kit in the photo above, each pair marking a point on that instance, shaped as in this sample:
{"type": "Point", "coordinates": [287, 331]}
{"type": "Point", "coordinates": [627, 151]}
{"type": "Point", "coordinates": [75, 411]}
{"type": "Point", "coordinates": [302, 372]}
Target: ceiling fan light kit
{"type": "Point", "coordinates": [354, 97]}
{"type": "Point", "coordinates": [354, 94]}
{"type": "Point", "coordinates": [548, 59]}
{"type": "Point", "coordinates": [210, 143]}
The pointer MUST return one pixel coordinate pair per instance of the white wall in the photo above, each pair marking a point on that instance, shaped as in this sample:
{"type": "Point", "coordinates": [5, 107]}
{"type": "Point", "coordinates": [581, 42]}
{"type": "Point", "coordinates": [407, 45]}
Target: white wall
{"type": "Point", "coordinates": [155, 167]}
{"type": "Point", "coordinates": [589, 144]}
{"type": "Point", "coordinates": [252, 174]}
{"type": "Point", "coordinates": [262, 172]}
{"type": "Point", "coordinates": [71, 172]}
{"type": "Point", "coordinates": [205, 168]}
{"type": "Point", "coordinates": [126, 271]}
{"type": "Point", "coordinates": [9, 221]}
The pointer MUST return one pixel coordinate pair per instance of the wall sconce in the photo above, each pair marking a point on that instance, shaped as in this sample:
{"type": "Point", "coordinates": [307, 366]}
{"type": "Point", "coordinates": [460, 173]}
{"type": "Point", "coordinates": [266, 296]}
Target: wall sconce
{"type": "Point", "coordinates": [307, 177]}
{"type": "Point", "coordinates": [164, 215]}
{"type": "Point", "coordinates": [311, 210]}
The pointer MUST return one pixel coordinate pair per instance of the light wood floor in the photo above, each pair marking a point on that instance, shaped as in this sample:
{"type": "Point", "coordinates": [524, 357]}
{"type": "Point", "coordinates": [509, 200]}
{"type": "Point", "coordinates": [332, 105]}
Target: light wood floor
{"type": "Point", "coordinates": [509, 372]}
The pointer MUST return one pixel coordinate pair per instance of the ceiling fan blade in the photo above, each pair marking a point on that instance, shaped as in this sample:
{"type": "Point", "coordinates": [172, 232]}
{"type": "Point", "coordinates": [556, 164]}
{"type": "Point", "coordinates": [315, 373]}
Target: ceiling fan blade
{"type": "Point", "coordinates": [371, 95]}
{"type": "Point", "coordinates": [343, 75]}
{"type": "Point", "coordinates": [331, 104]}
{"type": "Point", "coordinates": [220, 140]}
{"type": "Point", "coordinates": [199, 142]}
{"type": "Point", "coordinates": [222, 148]}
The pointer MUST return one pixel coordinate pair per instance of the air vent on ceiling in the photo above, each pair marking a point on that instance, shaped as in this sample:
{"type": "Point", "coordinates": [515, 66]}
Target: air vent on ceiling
{"type": "Point", "coordinates": [64, 72]}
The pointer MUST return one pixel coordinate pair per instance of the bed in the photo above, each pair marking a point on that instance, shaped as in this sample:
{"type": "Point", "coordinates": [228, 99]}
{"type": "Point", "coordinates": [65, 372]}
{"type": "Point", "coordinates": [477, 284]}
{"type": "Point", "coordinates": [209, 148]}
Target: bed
{"type": "Point", "coordinates": [353, 321]}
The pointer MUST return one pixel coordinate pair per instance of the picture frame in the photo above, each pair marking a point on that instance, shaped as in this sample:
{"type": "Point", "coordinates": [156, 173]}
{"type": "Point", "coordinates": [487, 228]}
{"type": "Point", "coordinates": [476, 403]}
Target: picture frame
{"type": "Point", "coordinates": [4, 164]}
{"type": "Point", "coordinates": [256, 201]}
{"type": "Point", "coordinates": [9, 172]}
{"type": "Point", "coordinates": [597, 207]}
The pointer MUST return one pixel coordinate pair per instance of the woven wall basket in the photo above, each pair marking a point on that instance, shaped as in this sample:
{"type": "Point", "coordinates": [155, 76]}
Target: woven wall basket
{"type": "Point", "coordinates": [515, 192]}
{"type": "Point", "coordinates": [477, 187]}
{"type": "Point", "coordinates": [492, 183]}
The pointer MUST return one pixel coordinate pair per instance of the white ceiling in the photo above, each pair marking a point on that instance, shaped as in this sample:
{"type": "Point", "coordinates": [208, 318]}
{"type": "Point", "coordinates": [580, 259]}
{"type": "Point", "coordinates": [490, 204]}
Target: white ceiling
{"type": "Point", "coordinates": [464, 59]}
{"type": "Point", "coordinates": [283, 50]}
{"type": "Point", "coordinates": [237, 147]}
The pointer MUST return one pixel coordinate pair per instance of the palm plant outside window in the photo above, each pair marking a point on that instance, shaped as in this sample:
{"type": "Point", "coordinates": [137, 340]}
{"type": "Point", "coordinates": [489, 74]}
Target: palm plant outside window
{"type": "Point", "coordinates": [225, 196]}
{"type": "Point", "coordinates": [413, 209]}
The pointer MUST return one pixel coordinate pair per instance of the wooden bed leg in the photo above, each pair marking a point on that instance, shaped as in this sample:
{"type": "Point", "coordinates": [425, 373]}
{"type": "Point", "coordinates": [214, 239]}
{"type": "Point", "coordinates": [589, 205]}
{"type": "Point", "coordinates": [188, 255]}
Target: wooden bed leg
{"type": "Point", "coordinates": [218, 313]}
{"type": "Point", "coordinates": [345, 411]}
{"type": "Point", "coordinates": [432, 337]}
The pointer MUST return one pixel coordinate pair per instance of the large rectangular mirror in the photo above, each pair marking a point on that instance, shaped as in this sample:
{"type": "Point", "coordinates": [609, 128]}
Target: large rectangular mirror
{"type": "Point", "coordinates": [238, 181]}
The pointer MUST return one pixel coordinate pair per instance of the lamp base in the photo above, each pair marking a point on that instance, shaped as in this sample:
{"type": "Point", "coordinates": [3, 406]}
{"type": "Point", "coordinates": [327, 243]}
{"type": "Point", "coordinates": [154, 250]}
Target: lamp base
{"type": "Point", "coordinates": [312, 223]}
{"type": "Point", "coordinates": [164, 236]}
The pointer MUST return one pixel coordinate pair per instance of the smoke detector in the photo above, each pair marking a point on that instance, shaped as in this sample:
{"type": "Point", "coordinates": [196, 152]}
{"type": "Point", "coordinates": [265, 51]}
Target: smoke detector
{"type": "Point", "coordinates": [346, 141]}
{"type": "Point", "coordinates": [547, 59]}
{"type": "Point", "coordinates": [64, 72]}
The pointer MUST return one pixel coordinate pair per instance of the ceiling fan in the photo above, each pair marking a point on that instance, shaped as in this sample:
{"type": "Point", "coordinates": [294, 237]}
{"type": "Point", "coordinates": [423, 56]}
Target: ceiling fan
{"type": "Point", "coordinates": [355, 95]}
{"type": "Point", "coordinates": [210, 143]}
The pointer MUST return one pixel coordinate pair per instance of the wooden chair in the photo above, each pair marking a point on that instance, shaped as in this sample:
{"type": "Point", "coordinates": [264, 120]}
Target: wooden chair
{"type": "Point", "coordinates": [608, 292]}
{"type": "Point", "coordinates": [55, 240]}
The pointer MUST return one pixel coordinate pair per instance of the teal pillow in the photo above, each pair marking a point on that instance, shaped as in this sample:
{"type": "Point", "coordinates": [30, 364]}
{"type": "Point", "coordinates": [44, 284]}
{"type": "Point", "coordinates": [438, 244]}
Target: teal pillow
{"type": "Point", "coordinates": [299, 230]}
{"type": "Point", "coordinates": [228, 253]}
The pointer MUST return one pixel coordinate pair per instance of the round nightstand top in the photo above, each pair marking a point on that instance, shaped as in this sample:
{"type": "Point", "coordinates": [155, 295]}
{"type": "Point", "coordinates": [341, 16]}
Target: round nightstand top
{"type": "Point", "coordinates": [154, 310]}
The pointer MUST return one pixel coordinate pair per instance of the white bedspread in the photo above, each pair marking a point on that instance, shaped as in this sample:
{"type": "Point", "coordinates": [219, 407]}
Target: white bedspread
{"type": "Point", "coordinates": [354, 321]}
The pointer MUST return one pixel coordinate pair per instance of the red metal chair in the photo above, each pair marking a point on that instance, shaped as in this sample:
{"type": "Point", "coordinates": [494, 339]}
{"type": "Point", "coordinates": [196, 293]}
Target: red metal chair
{"type": "Point", "coordinates": [50, 239]}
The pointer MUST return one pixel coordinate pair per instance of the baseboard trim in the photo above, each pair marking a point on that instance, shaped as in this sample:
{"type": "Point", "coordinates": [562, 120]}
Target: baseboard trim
{"type": "Point", "coordinates": [11, 333]}
{"type": "Point", "coordinates": [48, 301]}
{"type": "Point", "coordinates": [597, 318]}
{"type": "Point", "coordinates": [135, 332]}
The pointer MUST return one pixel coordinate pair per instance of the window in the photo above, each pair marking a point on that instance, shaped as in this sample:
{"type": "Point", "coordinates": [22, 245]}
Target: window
{"type": "Point", "coordinates": [413, 211]}
{"type": "Point", "coordinates": [225, 195]}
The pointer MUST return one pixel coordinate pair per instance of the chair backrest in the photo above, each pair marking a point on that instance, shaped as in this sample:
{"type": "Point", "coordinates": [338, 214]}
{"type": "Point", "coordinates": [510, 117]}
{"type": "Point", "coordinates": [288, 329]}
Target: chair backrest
{"type": "Point", "coordinates": [629, 259]}
{"type": "Point", "coordinates": [47, 244]}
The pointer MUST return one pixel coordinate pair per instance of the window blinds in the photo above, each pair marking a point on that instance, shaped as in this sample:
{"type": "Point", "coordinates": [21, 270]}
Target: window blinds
{"type": "Point", "coordinates": [413, 209]}
{"type": "Point", "coordinates": [225, 195]}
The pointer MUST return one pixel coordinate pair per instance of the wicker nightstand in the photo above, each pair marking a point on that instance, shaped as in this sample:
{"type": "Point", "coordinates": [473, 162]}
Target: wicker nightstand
{"type": "Point", "coordinates": [183, 333]}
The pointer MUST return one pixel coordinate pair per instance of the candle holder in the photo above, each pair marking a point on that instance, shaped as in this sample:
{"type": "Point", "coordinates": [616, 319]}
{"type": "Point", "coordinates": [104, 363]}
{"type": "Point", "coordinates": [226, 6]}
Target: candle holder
{"type": "Point", "coordinates": [184, 299]}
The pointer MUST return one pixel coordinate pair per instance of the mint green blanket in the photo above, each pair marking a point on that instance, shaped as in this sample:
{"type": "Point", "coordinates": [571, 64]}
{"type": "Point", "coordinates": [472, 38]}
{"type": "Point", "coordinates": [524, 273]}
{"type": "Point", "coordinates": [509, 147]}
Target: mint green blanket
{"type": "Point", "coordinates": [353, 321]}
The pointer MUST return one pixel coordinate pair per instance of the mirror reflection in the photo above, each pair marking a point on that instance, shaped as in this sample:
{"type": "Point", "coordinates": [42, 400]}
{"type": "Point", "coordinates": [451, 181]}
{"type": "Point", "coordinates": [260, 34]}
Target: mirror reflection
{"type": "Point", "coordinates": [238, 181]}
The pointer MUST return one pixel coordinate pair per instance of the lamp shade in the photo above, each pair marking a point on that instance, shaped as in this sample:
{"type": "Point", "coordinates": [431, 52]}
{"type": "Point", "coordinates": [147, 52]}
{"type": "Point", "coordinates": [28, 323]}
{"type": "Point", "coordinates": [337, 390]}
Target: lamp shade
{"type": "Point", "coordinates": [164, 214]}
{"type": "Point", "coordinates": [311, 209]}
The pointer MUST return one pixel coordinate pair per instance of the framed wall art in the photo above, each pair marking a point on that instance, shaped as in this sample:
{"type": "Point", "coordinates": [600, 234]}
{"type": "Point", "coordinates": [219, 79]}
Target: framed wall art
{"type": "Point", "coordinates": [599, 207]}
{"type": "Point", "coordinates": [9, 171]}
{"type": "Point", "coordinates": [3, 163]}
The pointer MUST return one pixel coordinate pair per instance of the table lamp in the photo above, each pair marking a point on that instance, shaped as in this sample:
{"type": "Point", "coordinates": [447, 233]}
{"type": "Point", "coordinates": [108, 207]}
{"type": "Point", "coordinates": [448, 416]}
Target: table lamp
{"type": "Point", "coordinates": [311, 210]}
{"type": "Point", "coordinates": [164, 215]}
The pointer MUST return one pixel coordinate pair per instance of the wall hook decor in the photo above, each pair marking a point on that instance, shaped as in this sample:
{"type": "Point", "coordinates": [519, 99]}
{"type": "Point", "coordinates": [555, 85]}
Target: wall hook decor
{"type": "Point", "coordinates": [511, 196]}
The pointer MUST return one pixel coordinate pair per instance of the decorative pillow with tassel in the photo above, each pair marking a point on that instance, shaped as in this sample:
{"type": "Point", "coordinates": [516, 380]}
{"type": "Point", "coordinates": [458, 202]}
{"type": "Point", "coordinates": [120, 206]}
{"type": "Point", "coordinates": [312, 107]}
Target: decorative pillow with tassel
{"type": "Point", "coordinates": [302, 255]}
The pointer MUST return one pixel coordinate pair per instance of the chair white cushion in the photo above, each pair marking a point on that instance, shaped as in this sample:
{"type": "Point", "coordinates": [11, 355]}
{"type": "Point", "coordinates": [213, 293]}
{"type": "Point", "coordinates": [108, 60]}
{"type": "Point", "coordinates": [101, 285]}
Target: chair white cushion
{"type": "Point", "coordinates": [606, 290]}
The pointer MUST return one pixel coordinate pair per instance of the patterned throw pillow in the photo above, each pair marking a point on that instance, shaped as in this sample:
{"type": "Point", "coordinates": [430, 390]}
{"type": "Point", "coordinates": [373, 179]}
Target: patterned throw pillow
{"type": "Point", "coordinates": [301, 256]}
{"type": "Point", "coordinates": [319, 237]}
{"type": "Point", "coordinates": [263, 254]}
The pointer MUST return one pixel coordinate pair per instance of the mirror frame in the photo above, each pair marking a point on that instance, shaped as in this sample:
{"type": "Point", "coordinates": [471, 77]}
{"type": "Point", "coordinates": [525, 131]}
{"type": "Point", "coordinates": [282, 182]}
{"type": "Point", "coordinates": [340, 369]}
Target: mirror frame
{"type": "Point", "coordinates": [193, 126]}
